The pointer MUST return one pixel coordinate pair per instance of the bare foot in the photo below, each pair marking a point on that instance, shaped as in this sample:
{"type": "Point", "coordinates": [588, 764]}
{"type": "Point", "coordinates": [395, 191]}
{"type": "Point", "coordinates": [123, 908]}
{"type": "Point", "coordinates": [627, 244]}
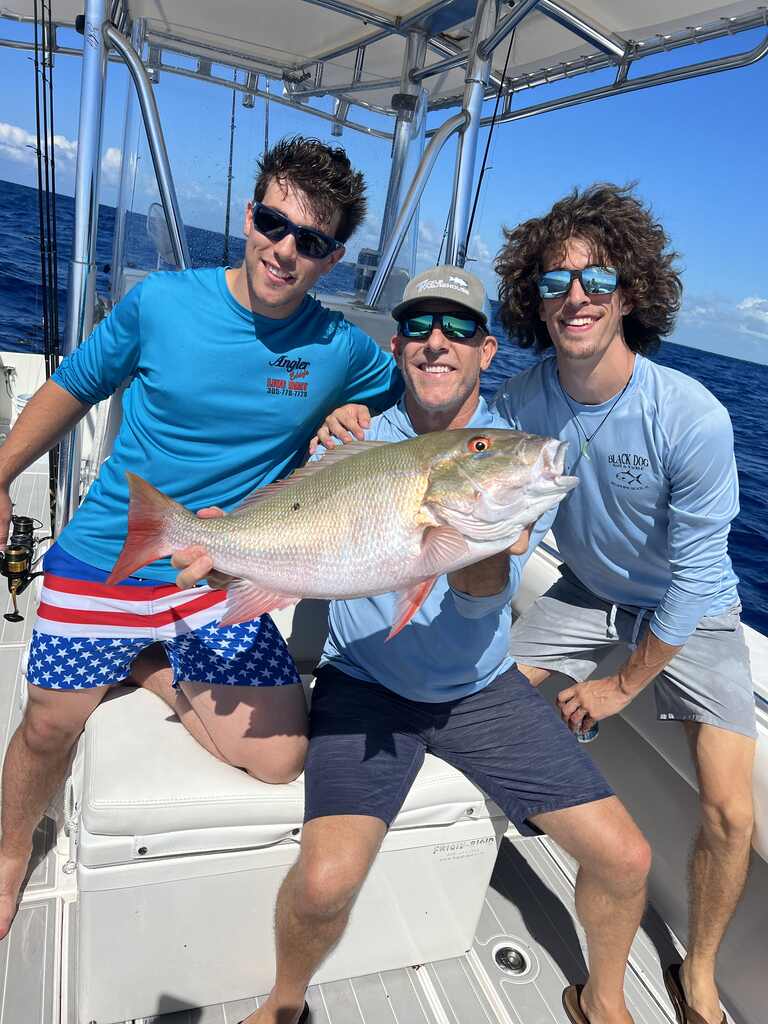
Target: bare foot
{"type": "Point", "coordinates": [270, 1012]}
{"type": "Point", "coordinates": [13, 869]}
{"type": "Point", "coordinates": [701, 992]}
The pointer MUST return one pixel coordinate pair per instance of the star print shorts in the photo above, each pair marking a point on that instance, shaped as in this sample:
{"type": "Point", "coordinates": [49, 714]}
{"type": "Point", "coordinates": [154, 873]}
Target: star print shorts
{"type": "Point", "coordinates": [88, 633]}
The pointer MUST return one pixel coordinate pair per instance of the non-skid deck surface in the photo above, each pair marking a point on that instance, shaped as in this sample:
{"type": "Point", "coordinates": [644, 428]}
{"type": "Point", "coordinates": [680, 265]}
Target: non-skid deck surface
{"type": "Point", "coordinates": [530, 907]}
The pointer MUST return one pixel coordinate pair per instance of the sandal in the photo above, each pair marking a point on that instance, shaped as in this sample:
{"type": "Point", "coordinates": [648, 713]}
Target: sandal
{"type": "Point", "coordinates": [684, 1013]}
{"type": "Point", "coordinates": [572, 1005]}
{"type": "Point", "coordinates": [303, 1019]}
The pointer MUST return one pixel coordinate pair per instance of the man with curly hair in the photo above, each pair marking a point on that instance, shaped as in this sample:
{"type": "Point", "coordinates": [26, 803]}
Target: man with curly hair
{"type": "Point", "coordinates": [644, 537]}
{"type": "Point", "coordinates": [229, 372]}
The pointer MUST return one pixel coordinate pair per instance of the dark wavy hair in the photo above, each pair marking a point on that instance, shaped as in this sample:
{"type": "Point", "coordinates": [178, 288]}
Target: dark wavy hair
{"type": "Point", "coordinates": [325, 176]}
{"type": "Point", "coordinates": [621, 233]}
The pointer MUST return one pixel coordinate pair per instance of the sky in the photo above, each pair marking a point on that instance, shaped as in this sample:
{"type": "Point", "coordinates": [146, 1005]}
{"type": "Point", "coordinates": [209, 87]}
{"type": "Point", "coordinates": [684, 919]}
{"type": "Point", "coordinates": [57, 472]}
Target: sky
{"type": "Point", "coordinates": [696, 151]}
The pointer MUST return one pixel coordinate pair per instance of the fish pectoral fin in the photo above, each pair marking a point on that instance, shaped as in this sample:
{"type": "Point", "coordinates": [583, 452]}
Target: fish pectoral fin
{"type": "Point", "coordinates": [408, 603]}
{"type": "Point", "coordinates": [246, 600]}
{"type": "Point", "coordinates": [441, 546]}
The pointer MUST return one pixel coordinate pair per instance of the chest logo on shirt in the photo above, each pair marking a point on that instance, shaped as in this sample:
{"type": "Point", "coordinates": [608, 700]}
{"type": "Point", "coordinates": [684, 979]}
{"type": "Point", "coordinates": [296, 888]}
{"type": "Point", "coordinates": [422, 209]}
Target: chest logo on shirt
{"type": "Point", "coordinates": [628, 470]}
{"type": "Point", "coordinates": [287, 379]}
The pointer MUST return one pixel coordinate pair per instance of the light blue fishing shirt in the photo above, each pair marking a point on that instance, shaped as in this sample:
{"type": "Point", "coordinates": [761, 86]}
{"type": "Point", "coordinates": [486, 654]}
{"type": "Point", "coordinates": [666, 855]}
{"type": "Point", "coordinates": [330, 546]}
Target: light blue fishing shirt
{"type": "Point", "coordinates": [647, 527]}
{"type": "Point", "coordinates": [454, 645]}
{"type": "Point", "coordinates": [220, 400]}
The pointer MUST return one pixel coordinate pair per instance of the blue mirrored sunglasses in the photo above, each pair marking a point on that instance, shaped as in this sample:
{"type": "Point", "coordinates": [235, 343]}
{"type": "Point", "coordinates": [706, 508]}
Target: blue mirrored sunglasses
{"type": "Point", "coordinates": [458, 328]}
{"type": "Point", "coordinates": [594, 280]}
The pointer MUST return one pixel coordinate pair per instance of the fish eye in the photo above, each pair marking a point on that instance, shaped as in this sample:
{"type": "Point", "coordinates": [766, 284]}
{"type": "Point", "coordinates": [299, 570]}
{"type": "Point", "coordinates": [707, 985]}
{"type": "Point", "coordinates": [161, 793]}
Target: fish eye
{"type": "Point", "coordinates": [479, 444]}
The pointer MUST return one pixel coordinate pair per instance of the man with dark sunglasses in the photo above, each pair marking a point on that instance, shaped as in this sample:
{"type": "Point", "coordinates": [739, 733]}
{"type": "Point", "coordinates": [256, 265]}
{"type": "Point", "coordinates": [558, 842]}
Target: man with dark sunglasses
{"type": "Point", "coordinates": [644, 538]}
{"type": "Point", "coordinates": [229, 372]}
{"type": "Point", "coordinates": [445, 684]}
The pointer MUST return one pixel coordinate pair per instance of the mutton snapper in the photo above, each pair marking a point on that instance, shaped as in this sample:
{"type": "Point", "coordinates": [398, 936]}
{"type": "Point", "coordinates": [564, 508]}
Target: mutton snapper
{"type": "Point", "coordinates": [368, 518]}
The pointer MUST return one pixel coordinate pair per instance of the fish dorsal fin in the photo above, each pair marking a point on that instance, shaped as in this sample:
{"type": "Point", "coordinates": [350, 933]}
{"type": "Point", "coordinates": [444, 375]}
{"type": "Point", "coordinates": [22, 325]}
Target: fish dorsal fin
{"type": "Point", "coordinates": [329, 458]}
{"type": "Point", "coordinates": [440, 546]}
{"type": "Point", "coordinates": [246, 600]}
{"type": "Point", "coordinates": [408, 603]}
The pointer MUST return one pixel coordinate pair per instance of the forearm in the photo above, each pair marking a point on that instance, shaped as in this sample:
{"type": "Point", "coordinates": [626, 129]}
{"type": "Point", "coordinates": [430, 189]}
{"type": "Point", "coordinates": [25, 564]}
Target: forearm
{"type": "Point", "coordinates": [483, 579]}
{"type": "Point", "coordinates": [50, 414]}
{"type": "Point", "coordinates": [648, 659]}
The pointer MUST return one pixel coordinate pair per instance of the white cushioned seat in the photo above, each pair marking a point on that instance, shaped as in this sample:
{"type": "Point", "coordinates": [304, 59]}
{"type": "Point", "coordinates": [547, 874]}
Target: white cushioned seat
{"type": "Point", "coordinates": [140, 773]}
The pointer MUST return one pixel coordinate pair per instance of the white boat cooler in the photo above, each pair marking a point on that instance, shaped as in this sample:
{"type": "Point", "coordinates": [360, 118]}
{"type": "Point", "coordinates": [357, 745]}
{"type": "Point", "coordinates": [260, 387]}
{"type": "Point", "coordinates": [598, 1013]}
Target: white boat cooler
{"type": "Point", "coordinates": [179, 859]}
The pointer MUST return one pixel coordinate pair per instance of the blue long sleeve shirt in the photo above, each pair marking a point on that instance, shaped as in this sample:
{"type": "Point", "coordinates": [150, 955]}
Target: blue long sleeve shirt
{"type": "Point", "coordinates": [454, 645]}
{"type": "Point", "coordinates": [220, 401]}
{"type": "Point", "coordinates": [648, 524]}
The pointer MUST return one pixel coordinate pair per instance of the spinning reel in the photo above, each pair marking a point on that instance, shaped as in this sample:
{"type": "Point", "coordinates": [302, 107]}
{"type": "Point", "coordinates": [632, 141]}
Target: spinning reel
{"type": "Point", "coordinates": [17, 560]}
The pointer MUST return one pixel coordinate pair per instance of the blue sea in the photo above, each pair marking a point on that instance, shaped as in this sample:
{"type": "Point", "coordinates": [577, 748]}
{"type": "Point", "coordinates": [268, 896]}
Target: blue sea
{"type": "Point", "coordinates": [739, 385]}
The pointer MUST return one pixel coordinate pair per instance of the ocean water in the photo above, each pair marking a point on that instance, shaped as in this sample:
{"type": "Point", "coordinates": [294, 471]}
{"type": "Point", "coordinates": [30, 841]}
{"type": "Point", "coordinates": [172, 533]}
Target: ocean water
{"type": "Point", "coordinates": [739, 385]}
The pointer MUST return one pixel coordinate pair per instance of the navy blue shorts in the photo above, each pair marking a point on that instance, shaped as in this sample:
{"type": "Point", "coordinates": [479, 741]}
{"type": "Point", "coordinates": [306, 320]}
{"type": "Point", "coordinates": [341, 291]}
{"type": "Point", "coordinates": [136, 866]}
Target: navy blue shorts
{"type": "Point", "coordinates": [367, 745]}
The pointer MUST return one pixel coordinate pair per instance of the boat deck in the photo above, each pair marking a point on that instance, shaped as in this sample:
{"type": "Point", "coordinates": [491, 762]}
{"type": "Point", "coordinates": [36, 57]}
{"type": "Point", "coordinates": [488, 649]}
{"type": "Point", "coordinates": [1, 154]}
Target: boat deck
{"type": "Point", "coordinates": [529, 905]}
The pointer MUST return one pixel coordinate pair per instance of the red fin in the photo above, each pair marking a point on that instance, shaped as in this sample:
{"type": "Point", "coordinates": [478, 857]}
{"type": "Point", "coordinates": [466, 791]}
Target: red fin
{"type": "Point", "coordinates": [247, 601]}
{"type": "Point", "coordinates": [148, 514]}
{"type": "Point", "coordinates": [408, 604]}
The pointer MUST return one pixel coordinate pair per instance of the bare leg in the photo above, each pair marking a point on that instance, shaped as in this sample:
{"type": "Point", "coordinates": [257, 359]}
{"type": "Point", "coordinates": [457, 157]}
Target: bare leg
{"type": "Point", "coordinates": [535, 676]}
{"type": "Point", "coordinates": [718, 867]}
{"type": "Point", "coordinates": [262, 729]}
{"type": "Point", "coordinates": [314, 904]}
{"type": "Point", "coordinates": [614, 860]}
{"type": "Point", "coordinates": [35, 764]}
{"type": "Point", "coordinates": [151, 671]}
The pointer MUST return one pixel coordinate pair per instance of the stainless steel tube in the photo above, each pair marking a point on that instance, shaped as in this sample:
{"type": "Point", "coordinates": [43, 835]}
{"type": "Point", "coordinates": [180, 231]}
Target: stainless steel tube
{"type": "Point", "coordinates": [441, 136]}
{"type": "Point", "coordinates": [474, 95]}
{"type": "Point", "coordinates": [415, 51]}
{"type": "Point", "coordinates": [156, 142]}
{"type": "Point", "coordinates": [82, 267]}
{"type": "Point", "coordinates": [505, 26]}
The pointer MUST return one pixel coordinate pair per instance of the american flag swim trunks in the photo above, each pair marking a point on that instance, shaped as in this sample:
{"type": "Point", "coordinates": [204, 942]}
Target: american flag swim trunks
{"type": "Point", "coordinates": [87, 633]}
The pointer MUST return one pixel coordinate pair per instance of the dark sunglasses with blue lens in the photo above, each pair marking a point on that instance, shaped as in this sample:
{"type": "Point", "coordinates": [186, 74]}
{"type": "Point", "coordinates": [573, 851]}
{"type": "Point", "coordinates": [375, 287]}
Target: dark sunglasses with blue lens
{"type": "Point", "coordinates": [309, 241]}
{"type": "Point", "coordinates": [421, 325]}
{"type": "Point", "coordinates": [594, 280]}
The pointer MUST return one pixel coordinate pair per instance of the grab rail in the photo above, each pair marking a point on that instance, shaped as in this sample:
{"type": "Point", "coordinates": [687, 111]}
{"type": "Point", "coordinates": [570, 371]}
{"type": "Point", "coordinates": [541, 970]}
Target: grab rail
{"type": "Point", "coordinates": [411, 201]}
{"type": "Point", "coordinates": [156, 141]}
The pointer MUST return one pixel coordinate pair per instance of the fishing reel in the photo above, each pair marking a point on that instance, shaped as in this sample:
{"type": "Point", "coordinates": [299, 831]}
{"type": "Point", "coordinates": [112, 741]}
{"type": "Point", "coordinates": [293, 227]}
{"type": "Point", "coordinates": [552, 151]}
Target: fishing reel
{"type": "Point", "coordinates": [17, 560]}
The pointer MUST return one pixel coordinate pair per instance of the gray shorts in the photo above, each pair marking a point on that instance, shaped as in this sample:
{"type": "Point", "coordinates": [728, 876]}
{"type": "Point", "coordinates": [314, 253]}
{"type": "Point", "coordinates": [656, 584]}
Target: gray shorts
{"type": "Point", "coordinates": [570, 630]}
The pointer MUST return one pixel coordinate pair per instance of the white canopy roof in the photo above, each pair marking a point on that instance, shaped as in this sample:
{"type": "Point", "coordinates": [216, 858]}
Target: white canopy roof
{"type": "Point", "coordinates": [287, 38]}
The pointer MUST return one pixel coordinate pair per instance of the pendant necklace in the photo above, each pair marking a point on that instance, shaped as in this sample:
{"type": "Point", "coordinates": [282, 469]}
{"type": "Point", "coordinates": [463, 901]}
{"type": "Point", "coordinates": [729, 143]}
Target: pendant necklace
{"type": "Point", "coordinates": [586, 439]}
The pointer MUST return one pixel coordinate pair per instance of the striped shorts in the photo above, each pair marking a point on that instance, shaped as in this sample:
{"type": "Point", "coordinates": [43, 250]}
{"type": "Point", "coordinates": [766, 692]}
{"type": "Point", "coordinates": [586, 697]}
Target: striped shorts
{"type": "Point", "coordinates": [87, 633]}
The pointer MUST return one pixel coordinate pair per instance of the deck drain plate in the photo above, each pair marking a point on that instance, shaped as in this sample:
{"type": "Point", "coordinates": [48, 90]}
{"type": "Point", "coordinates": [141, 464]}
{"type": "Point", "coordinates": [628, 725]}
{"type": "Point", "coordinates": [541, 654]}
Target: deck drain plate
{"type": "Point", "coordinates": [515, 960]}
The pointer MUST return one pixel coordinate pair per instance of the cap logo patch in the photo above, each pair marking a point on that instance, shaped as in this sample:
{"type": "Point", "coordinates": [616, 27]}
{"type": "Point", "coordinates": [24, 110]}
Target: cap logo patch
{"type": "Point", "coordinates": [453, 283]}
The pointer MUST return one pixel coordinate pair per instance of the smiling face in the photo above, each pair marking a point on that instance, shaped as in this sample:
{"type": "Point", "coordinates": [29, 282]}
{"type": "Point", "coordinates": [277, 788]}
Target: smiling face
{"type": "Point", "coordinates": [274, 277]}
{"type": "Point", "coordinates": [442, 375]}
{"type": "Point", "coordinates": [581, 326]}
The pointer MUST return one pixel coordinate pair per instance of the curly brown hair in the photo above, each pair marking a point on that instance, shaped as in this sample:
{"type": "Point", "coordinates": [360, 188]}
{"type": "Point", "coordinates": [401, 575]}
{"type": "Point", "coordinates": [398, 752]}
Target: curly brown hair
{"type": "Point", "coordinates": [325, 176]}
{"type": "Point", "coordinates": [621, 233]}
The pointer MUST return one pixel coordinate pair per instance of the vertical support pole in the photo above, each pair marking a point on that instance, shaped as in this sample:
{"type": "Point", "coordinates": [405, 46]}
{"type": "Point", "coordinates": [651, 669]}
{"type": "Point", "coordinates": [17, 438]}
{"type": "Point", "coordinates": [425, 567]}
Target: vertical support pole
{"type": "Point", "coordinates": [406, 102]}
{"type": "Point", "coordinates": [474, 91]}
{"type": "Point", "coordinates": [82, 267]}
{"type": "Point", "coordinates": [130, 157]}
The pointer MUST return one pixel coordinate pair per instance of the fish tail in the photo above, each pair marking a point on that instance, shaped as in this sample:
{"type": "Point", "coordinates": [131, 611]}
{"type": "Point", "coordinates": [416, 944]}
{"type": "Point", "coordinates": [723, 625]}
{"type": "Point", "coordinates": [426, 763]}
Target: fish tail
{"type": "Point", "coordinates": [149, 512]}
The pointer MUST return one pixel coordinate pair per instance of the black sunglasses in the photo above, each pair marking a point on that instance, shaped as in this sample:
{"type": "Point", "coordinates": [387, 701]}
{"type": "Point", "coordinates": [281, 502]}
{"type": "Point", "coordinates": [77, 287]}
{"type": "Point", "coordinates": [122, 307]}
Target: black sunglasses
{"type": "Point", "coordinates": [594, 281]}
{"type": "Point", "coordinates": [458, 328]}
{"type": "Point", "coordinates": [309, 241]}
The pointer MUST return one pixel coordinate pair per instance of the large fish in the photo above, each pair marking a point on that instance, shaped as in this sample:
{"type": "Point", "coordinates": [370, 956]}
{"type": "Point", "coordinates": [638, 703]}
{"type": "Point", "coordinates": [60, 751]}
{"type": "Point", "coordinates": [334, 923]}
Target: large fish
{"type": "Point", "coordinates": [368, 518]}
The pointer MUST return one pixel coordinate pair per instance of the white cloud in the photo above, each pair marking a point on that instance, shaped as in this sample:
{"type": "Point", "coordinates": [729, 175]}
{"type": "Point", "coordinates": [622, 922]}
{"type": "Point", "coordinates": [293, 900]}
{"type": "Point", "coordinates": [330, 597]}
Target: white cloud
{"type": "Point", "coordinates": [750, 316]}
{"type": "Point", "coordinates": [110, 165]}
{"type": "Point", "coordinates": [19, 145]}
